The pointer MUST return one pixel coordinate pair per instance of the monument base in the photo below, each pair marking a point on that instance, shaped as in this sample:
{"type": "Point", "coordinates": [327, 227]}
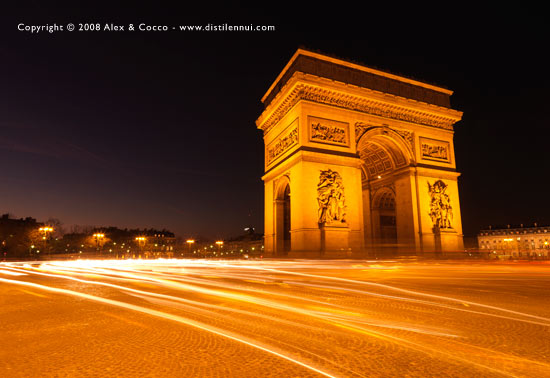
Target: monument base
{"type": "Point", "coordinates": [334, 237]}
{"type": "Point", "coordinates": [447, 240]}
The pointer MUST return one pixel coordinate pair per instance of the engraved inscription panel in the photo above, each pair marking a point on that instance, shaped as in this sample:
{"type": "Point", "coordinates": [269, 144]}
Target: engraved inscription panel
{"type": "Point", "coordinates": [436, 150]}
{"type": "Point", "coordinates": [328, 131]}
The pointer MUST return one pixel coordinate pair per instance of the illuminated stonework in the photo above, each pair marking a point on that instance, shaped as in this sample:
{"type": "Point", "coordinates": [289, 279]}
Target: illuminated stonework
{"type": "Point", "coordinates": [328, 131]}
{"type": "Point", "coordinates": [385, 136]}
{"type": "Point", "coordinates": [317, 95]}
{"type": "Point", "coordinates": [441, 210]}
{"type": "Point", "coordinates": [331, 199]}
{"type": "Point", "coordinates": [516, 242]}
{"type": "Point", "coordinates": [435, 150]}
{"type": "Point", "coordinates": [282, 145]}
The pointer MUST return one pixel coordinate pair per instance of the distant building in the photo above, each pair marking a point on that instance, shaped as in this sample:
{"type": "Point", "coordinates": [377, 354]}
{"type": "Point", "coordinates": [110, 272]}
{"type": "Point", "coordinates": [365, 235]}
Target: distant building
{"type": "Point", "coordinates": [250, 244]}
{"type": "Point", "coordinates": [516, 242]}
{"type": "Point", "coordinates": [118, 242]}
{"type": "Point", "coordinates": [247, 245]}
{"type": "Point", "coordinates": [28, 222]}
{"type": "Point", "coordinates": [17, 236]}
{"type": "Point", "coordinates": [159, 242]}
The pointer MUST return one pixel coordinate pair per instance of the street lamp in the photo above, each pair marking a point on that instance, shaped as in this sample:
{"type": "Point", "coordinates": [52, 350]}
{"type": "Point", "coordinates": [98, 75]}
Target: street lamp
{"type": "Point", "coordinates": [141, 241]}
{"type": "Point", "coordinates": [45, 230]}
{"type": "Point", "coordinates": [190, 242]}
{"type": "Point", "coordinates": [219, 243]}
{"type": "Point", "coordinates": [98, 236]}
{"type": "Point", "coordinates": [508, 246]}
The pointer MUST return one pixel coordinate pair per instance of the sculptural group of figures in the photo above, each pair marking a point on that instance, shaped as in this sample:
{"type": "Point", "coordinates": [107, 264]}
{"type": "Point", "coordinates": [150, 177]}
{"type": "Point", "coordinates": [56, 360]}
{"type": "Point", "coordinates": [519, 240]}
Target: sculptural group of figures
{"type": "Point", "coordinates": [330, 196]}
{"type": "Point", "coordinates": [441, 211]}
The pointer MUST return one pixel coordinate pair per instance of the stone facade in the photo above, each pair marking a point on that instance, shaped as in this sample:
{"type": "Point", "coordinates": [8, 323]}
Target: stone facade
{"type": "Point", "coordinates": [389, 157]}
{"type": "Point", "coordinates": [516, 242]}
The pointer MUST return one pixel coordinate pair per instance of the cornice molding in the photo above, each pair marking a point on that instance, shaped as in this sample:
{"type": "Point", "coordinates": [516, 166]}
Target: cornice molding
{"type": "Point", "coordinates": [302, 91]}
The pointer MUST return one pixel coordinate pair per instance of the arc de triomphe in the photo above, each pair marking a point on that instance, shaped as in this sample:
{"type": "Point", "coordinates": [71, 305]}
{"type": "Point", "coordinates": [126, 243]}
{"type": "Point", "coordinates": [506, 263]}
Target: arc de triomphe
{"type": "Point", "coordinates": [357, 159]}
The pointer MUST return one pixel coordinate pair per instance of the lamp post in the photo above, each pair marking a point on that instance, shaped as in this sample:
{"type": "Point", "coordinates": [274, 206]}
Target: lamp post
{"type": "Point", "coordinates": [45, 230]}
{"type": "Point", "coordinates": [98, 237]}
{"type": "Point", "coordinates": [508, 246]}
{"type": "Point", "coordinates": [190, 242]}
{"type": "Point", "coordinates": [220, 244]}
{"type": "Point", "coordinates": [141, 241]}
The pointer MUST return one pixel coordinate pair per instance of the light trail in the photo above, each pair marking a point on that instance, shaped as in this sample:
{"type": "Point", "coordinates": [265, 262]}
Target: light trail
{"type": "Point", "coordinates": [328, 322]}
{"type": "Point", "coordinates": [251, 300]}
{"type": "Point", "coordinates": [167, 316]}
{"type": "Point", "coordinates": [134, 275]}
{"type": "Point", "coordinates": [266, 303]}
{"type": "Point", "coordinates": [194, 306]}
{"type": "Point", "coordinates": [411, 292]}
{"type": "Point", "coordinates": [191, 303]}
{"type": "Point", "coordinates": [419, 301]}
{"type": "Point", "coordinates": [11, 273]}
{"type": "Point", "coordinates": [456, 300]}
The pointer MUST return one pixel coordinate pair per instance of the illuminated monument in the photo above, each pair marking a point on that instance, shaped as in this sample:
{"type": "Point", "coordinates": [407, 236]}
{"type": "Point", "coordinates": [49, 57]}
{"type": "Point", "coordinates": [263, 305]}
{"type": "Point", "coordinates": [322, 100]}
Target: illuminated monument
{"type": "Point", "coordinates": [357, 159]}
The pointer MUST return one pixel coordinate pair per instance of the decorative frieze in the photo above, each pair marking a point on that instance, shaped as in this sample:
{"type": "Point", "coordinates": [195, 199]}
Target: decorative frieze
{"type": "Point", "coordinates": [436, 150]}
{"type": "Point", "coordinates": [361, 128]}
{"type": "Point", "coordinates": [362, 104]}
{"type": "Point", "coordinates": [328, 131]}
{"type": "Point", "coordinates": [281, 145]}
{"type": "Point", "coordinates": [408, 136]}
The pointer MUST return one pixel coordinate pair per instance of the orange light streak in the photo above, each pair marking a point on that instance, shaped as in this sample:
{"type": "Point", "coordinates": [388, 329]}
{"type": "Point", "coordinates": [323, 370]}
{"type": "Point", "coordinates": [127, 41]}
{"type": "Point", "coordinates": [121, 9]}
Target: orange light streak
{"type": "Point", "coordinates": [167, 316]}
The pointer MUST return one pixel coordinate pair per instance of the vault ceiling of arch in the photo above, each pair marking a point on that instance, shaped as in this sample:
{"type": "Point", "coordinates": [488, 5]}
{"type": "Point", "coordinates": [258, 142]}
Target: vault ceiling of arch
{"type": "Point", "coordinates": [376, 160]}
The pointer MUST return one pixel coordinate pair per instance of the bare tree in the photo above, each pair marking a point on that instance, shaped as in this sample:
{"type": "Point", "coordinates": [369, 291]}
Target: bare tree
{"type": "Point", "coordinates": [57, 225]}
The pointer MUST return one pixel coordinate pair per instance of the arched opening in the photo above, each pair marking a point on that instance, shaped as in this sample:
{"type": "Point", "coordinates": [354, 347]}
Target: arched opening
{"type": "Point", "coordinates": [384, 210]}
{"type": "Point", "coordinates": [383, 153]}
{"type": "Point", "coordinates": [282, 218]}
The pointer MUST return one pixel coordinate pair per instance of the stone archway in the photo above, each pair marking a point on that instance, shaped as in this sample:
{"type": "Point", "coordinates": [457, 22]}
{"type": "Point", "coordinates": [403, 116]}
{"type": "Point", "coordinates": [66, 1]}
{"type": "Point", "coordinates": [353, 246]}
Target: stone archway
{"type": "Point", "coordinates": [382, 149]}
{"type": "Point", "coordinates": [384, 153]}
{"type": "Point", "coordinates": [374, 130]}
{"type": "Point", "coordinates": [384, 217]}
{"type": "Point", "coordinates": [282, 217]}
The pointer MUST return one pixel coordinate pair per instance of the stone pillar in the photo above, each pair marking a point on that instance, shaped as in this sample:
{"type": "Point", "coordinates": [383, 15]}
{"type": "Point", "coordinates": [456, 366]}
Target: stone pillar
{"type": "Point", "coordinates": [269, 222]}
{"type": "Point", "coordinates": [279, 226]}
{"type": "Point", "coordinates": [406, 214]}
{"type": "Point", "coordinates": [367, 221]}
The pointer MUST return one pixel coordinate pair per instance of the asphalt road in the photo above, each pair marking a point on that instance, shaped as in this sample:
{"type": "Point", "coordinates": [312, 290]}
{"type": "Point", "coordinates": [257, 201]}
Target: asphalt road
{"type": "Point", "coordinates": [191, 318]}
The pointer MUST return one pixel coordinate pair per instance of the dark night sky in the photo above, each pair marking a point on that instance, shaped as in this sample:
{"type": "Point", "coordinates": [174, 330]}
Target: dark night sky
{"type": "Point", "coordinates": [157, 129]}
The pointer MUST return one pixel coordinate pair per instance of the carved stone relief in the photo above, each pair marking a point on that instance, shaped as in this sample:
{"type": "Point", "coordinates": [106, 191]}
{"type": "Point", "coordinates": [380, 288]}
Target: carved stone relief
{"type": "Point", "coordinates": [441, 210]}
{"type": "Point", "coordinates": [432, 149]}
{"type": "Point", "coordinates": [330, 197]}
{"type": "Point", "coordinates": [323, 96]}
{"type": "Point", "coordinates": [361, 128]}
{"type": "Point", "coordinates": [328, 131]}
{"type": "Point", "coordinates": [281, 145]}
{"type": "Point", "coordinates": [408, 136]}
